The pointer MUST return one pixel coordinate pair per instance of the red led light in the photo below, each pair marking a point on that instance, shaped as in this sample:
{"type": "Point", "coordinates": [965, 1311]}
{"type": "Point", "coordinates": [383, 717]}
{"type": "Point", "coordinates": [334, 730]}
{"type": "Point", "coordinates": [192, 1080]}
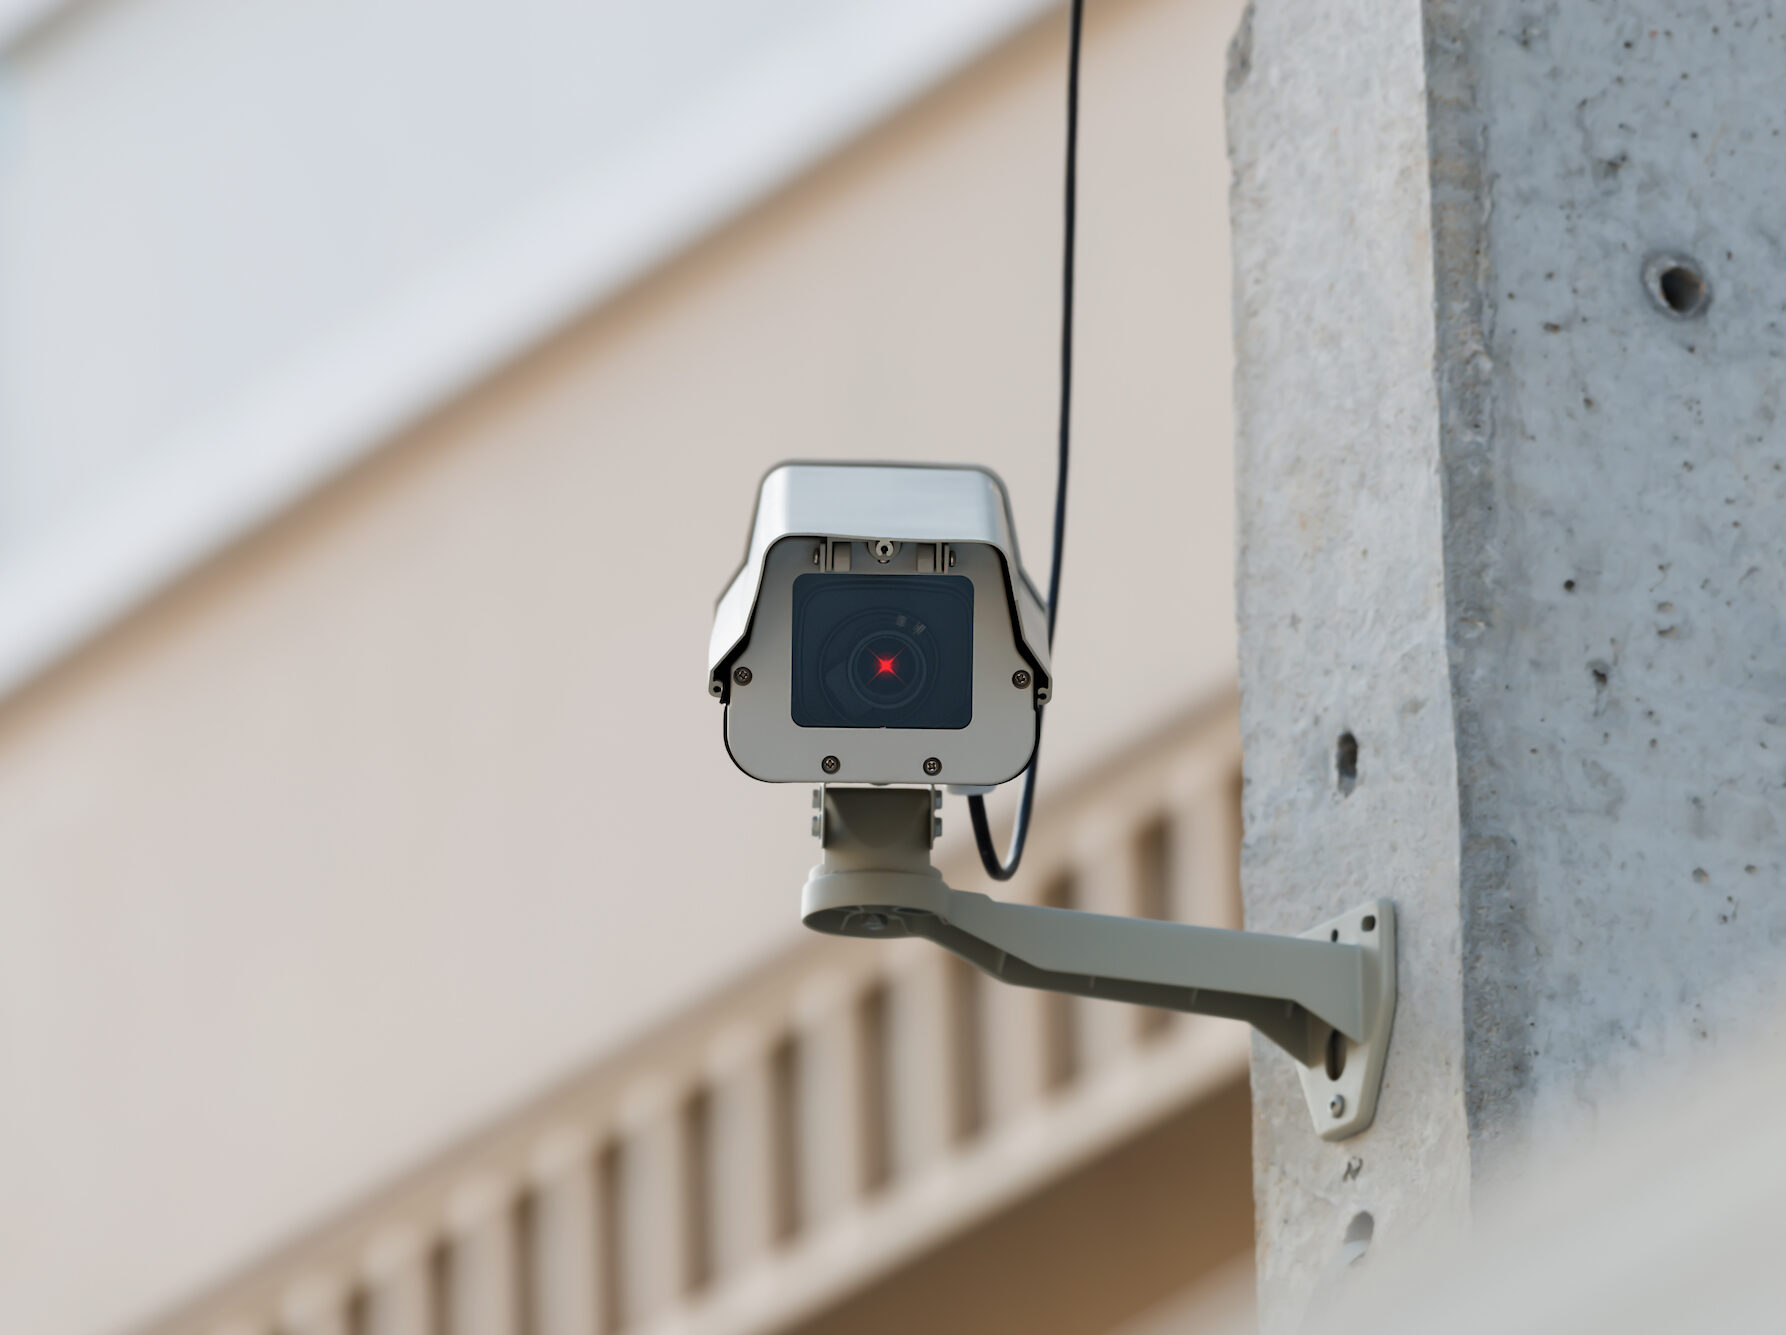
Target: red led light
{"type": "Point", "coordinates": [887, 667]}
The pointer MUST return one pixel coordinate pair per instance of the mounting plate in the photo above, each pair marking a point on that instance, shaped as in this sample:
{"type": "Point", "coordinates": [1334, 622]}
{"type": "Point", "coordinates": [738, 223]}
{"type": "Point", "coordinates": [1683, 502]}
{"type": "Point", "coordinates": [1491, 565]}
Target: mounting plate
{"type": "Point", "coordinates": [1342, 1089]}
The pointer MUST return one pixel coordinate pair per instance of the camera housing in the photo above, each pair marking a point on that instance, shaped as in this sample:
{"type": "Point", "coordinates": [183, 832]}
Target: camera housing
{"type": "Point", "coordinates": [881, 630]}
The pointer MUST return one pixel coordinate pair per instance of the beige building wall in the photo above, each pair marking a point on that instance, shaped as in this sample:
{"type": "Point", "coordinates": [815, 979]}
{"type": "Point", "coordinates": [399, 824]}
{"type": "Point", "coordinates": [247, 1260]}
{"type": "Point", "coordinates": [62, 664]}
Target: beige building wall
{"type": "Point", "coordinates": [415, 799]}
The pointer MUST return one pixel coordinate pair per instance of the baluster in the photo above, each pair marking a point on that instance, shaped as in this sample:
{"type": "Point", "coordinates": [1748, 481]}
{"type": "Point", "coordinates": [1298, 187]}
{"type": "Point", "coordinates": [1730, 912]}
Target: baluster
{"type": "Point", "coordinates": [1106, 873]}
{"type": "Point", "coordinates": [483, 1282]}
{"type": "Point", "coordinates": [315, 1305]}
{"type": "Point", "coordinates": [399, 1298]}
{"type": "Point", "coordinates": [1060, 1013]}
{"type": "Point", "coordinates": [653, 1240]}
{"type": "Point", "coordinates": [1014, 1048]}
{"type": "Point", "coordinates": [921, 1065]}
{"type": "Point", "coordinates": [1205, 841]}
{"type": "Point", "coordinates": [240, 1325]}
{"type": "Point", "coordinates": [830, 1118]}
{"type": "Point", "coordinates": [1154, 848]}
{"type": "Point", "coordinates": [964, 990]}
{"type": "Point", "coordinates": [563, 1269]}
{"type": "Point", "coordinates": [741, 1150]}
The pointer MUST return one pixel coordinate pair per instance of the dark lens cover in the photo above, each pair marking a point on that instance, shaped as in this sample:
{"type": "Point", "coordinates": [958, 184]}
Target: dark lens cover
{"type": "Point", "coordinates": [883, 651]}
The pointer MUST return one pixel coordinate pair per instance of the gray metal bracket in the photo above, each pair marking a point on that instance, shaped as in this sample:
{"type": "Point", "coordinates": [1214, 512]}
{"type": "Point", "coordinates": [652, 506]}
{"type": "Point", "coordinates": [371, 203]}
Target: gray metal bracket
{"type": "Point", "coordinates": [1327, 998]}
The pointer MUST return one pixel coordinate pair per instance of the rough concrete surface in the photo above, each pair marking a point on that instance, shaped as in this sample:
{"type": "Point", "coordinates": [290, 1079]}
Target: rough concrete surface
{"type": "Point", "coordinates": [1615, 511]}
{"type": "Point", "coordinates": [1513, 523]}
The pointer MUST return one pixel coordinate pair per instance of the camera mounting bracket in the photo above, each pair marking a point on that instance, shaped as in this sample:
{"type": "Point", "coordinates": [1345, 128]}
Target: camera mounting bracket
{"type": "Point", "coordinates": [1326, 997]}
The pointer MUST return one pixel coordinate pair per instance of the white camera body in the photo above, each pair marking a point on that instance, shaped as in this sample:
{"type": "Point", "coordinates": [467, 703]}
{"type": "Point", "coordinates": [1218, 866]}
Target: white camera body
{"type": "Point", "coordinates": [881, 630]}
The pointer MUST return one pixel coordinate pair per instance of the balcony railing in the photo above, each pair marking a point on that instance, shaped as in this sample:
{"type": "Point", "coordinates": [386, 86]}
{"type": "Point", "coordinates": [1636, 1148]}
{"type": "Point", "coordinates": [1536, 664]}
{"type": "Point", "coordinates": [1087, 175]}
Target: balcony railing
{"type": "Point", "coordinates": [805, 1131]}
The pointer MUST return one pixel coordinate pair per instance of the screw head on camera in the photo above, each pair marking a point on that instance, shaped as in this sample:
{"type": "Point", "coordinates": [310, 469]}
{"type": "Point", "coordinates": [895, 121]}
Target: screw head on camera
{"type": "Point", "coordinates": [1020, 679]}
{"type": "Point", "coordinates": [741, 675]}
{"type": "Point", "coordinates": [830, 764]}
{"type": "Point", "coordinates": [933, 766]}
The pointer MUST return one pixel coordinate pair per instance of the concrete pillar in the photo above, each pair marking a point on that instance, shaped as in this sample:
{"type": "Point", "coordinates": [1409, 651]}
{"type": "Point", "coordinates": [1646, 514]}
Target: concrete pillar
{"type": "Point", "coordinates": [1512, 593]}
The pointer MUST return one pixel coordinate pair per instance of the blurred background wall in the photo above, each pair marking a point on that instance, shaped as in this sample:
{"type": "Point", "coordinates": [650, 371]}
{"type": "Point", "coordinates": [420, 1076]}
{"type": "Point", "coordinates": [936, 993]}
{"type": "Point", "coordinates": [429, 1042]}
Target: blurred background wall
{"type": "Point", "coordinates": [383, 388]}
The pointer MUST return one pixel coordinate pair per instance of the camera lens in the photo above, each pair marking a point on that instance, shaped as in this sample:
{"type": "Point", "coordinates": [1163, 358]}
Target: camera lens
{"type": "Point", "coordinates": [888, 668]}
{"type": "Point", "coordinates": [883, 651]}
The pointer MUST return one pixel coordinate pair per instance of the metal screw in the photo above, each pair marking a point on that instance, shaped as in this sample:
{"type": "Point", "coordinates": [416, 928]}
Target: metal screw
{"type": "Point", "coordinates": [741, 675]}
{"type": "Point", "coordinates": [874, 922]}
{"type": "Point", "coordinates": [1020, 679]}
{"type": "Point", "coordinates": [1337, 1105]}
{"type": "Point", "coordinates": [830, 764]}
{"type": "Point", "coordinates": [933, 766]}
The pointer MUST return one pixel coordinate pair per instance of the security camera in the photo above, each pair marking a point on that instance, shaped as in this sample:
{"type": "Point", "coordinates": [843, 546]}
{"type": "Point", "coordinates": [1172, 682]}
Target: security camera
{"type": "Point", "coordinates": [881, 631]}
{"type": "Point", "coordinates": [881, 639]}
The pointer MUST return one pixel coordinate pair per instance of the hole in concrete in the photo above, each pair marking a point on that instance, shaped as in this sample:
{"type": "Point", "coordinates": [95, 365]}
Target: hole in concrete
{"type": "Point", "coordinates": [1346, 762]}
{"type": "Point", "coordinates": [1336, 1055]}
{"type": "Point", "coordinates": [1356, 1242]}
{"type": "Point", "coordinates": [1682, 289]}
{"type": "Point", "coordinates": [1677, 285]}
{"type": "Point", "coordinates": [1333, 935]}
{"type": "Point", "coordinates": [1568, 586]}
{"type": "Point", "coordinates": [1370, 922]}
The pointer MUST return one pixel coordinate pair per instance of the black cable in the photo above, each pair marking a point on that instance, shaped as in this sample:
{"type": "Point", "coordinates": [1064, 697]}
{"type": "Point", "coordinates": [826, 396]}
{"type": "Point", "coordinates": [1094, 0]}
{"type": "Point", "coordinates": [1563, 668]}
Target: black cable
{"type": "Point", "coordinates": [1002, 869]}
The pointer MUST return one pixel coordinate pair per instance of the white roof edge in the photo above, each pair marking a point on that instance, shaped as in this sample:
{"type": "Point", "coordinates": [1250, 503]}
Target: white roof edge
{"type": "Point", "coordinates": [18, 18]}
{"type": "Point", "coordinates": [246, 466]}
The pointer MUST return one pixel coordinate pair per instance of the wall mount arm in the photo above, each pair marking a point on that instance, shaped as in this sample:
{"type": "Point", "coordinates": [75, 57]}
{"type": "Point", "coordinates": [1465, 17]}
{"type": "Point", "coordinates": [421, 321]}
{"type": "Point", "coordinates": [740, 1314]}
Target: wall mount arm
{"type": "Point", "coordinates": [1327, 998]}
